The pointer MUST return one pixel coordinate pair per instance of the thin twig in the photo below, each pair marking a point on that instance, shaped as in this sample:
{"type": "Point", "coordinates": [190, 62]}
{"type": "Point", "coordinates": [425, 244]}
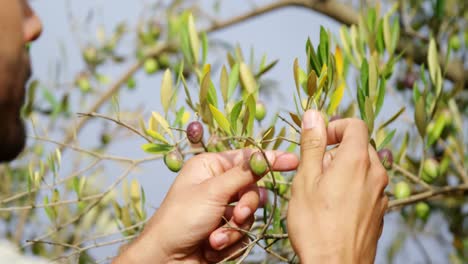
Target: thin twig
{"type": "Point", "coordinates": [411, 176]}
{"type": "Point", "coordinates": [118, 122]}
{"type": "Point", "coordinates": [442, 191]}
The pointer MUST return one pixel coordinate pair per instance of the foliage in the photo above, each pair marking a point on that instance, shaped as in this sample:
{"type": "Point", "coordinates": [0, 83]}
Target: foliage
{"type": "Point", "coordinates": [363, 61]}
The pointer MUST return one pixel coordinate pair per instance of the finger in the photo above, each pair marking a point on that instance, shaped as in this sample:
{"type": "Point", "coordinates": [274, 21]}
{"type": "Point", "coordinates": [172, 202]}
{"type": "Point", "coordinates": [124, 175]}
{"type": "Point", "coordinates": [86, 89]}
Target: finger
{"type": "Point", "coordinates": [229, 183]}
{"type": "Point", "coordinates": [229, 233]}
{"type": "Point", "coordinates": [377, 171]}
{"type": "Point", "coordinates": [350, 133]}
{"type": "Point", "coordinates": [313, 144]}
{"type": "Point", "coordinates": [230, 253]}
{"type": "Point", "coordinates": [247, 205]}
{"type": "Point", "coordinates": [284, 161]}
{"type": "Point", "coordinates": [328, 158]}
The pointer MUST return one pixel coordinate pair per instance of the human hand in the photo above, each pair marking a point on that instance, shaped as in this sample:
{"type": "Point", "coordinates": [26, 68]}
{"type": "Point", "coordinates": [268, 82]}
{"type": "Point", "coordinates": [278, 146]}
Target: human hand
{"type": "Point", "coordinates": [189, 225]}
{"type": "Point", "coordinates": [336, 210]}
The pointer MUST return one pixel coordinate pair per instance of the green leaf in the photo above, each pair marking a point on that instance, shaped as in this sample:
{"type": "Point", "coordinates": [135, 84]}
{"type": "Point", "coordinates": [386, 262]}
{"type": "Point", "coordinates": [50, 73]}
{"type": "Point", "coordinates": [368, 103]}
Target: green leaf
{"type": "Point", "coordinates": [233, 79]}
{"type": "Point", "coordinates": [380, 38]}
{"type": "Point", "coordinates": [393, 118]}
{"type": "Point", "coordinates": [49, 210]}
{"type": "Point", "coordinates": [420, 116]}
{"type": "Point", "coordinates": [324, 50]}
{"type": "Point", "coordinates": [162, 122]}
{"type": "Point", "coordinates": [380, 96]}
{"type": "Point", "coordinates": [369, 114]}
{"type": "Point", "coordinates": [313, 61]}
{"type": "Point", "coordinates": [194, 39]}
{"type": "Point", "coordinates": [76, 186]}
{"type": "Point", "coordinates": [224, 84]}
{"type": "Point", "coordinates": [361, 100]}
{"type": "Point", "coordinates": [28, 106]}
{"type": "Point", "coordinates": [154, 148]}
{"type": "Point", "coordinates": [266, 69]}
{"type": "Point", "coordinates": [280, 136]}
{"type": "Point", "coordinates": [234, 116]}
{"type": "Point", "coordinates": [204, 39]}
{"type": "Point", "coordinates": [433, 60]}
{"type": "Point", "coordinates": [247, 79]}
{"type": "Point", "coordinates": [386, 140]}
{"type": "Point", "coordinates": [221, 120]}
{"type": "Point", "coordinates": [402, 152]}
{"type": "Point", "coordinates": [249, 116]}
{"type": "Point", "coordinates": [156, 136]}
{"type": "Point", "coordinates": [346, 40]}
{"type": "Point", "coordinates": [395, 35]}
{"type": "Point", "coordinates": [373, 78]}
{"type": "Point", "coordinates": [204, 89]}
{"type": "Point", "coordinates": [365, 77]}
{"type": "Point", "coordinates": [387, 32]}
{"type": "Point", "coordinates": [166, 90]}
{"type": "Point", "coordinates": [268, 135]}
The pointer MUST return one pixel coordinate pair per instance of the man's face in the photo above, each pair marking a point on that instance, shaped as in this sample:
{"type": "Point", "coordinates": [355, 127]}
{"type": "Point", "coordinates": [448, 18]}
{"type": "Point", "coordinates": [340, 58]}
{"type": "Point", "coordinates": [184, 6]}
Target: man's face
{"type": "Point", "coordinates": [18, 27]}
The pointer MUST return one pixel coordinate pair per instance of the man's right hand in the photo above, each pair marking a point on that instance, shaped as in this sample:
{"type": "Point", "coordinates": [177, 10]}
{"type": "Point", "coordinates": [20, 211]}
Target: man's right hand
{"type": "Point", "coordinates": [338, 201]}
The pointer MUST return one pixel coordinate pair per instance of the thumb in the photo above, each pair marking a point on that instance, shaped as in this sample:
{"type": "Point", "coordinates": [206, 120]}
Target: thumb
{"type": "Point", "coordinates": [313, 144]}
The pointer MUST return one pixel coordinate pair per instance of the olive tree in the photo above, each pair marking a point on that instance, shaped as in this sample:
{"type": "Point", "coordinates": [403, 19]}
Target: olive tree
{"type": "Point", "coordinates": [412, 51]}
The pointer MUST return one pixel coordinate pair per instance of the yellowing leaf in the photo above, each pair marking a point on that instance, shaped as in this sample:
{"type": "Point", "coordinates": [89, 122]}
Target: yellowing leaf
{"type": "Point", "coordinates": [336, 98]}
{"type": "Point", "coordinates": [224, 84]}
{"type": "Point", "coordinates": [162, 122]}
{"type": "Point", "coordinates": [373, 77]}
{"type": "Point", "coordinates": [185, 117]}
{"type": "Point", "coordinates": [433, 61]}
{"type": "Point", "coordinates": [155, 135]}
{"type": "Point", "coordinates": [166, 90]}
{"type": "Point", "coordinates": [220, 119]}
{"type": "Point", "coordinates": [135, 190]}
{"type": "Point", "coordinates": [339, 62]}
{"type": "Point", "coordinates": [153, 124]}
{"type": "Point", "coordinates": [296, 74]}
{"type": "Point", "coordinates": [323, 77]}
{"type": "Point", "coordinates": [194, 39]}
{"type": "Point", "coordinates": [247, 78]}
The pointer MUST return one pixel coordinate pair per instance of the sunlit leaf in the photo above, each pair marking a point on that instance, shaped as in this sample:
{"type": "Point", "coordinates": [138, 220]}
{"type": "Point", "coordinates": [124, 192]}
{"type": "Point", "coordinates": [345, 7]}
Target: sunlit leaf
{"type": "Point", "coordinates": [233, 79]}
{"type": "Point", "coordinates": [154, 148]}
{"type": "Point", "coordinates": [339, 62]}
{"type": "Point", "coordinates": [166, 90]}
{"type": "Point", "coordinates": [224, 84]}
{"type": "Point", "coordinates": [247, 78]}
{"type": "Point", "coordinates": [221, 120]}
{"type": "Point", "coordinates": [388, 138]}
{"type": "Point", "coordinates": [392, 119]}
{"type": "Point", "coordinates": [336, 98]}
{"type": "Point", "coordinates": [194, 39]}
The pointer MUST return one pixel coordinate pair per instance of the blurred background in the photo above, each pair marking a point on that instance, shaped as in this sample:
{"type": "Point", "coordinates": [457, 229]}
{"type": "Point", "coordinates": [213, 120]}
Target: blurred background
{"type": "Point", "coordinates": [72, 27]}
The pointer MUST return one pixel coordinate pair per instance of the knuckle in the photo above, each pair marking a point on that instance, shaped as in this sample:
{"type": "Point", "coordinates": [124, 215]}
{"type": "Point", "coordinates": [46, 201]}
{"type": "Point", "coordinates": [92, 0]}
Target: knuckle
{"type": "Point", "coordinates": [358, 123]}
{"type": "Point", "coordinates": [361, 157]}
{"type": "Point", "coordinates": [311, 143]}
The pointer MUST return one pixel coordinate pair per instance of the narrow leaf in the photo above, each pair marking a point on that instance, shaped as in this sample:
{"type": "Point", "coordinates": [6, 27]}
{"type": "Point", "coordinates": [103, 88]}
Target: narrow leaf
{"type": "Point", "coordinates": [166, 90]}
{"type": "Point", "coordinates": [221, 120]}
{"type": "Point", "coordinates": [194, 39]}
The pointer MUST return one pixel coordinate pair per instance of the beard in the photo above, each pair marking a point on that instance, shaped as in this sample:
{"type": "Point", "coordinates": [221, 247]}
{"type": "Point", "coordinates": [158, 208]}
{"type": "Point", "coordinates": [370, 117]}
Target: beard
{"type": "Point", "coordinates": [12, 136]}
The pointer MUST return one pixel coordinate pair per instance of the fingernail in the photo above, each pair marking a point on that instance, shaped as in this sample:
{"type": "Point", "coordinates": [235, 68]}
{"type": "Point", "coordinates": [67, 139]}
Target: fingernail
{"type": "Point", "coordinates": [244, 213]}
{"type": "Point", "coordinates": [221, 239]}
{"type": "Point", "coordinates": [311, 119]}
